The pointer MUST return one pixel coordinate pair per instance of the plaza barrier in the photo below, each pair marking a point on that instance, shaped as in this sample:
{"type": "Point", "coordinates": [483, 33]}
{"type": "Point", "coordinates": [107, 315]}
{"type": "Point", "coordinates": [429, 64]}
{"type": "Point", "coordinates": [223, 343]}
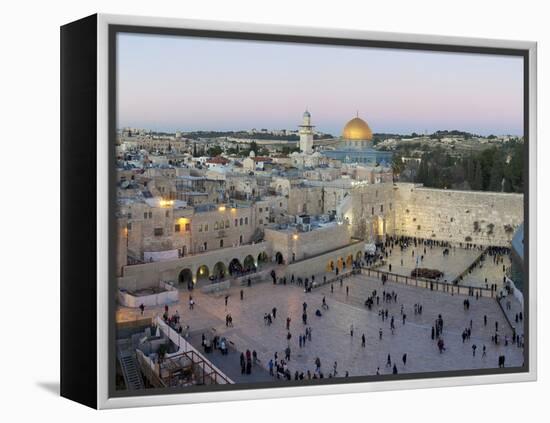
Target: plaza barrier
{"type": "Point", "coordinates": [429, 284]}
{"type": "Point", "coordinates": [469, 268]}
{"type": "Point", "coordinates": [188, 350]}
{"type": "Point", "coordinates": [164, 293]}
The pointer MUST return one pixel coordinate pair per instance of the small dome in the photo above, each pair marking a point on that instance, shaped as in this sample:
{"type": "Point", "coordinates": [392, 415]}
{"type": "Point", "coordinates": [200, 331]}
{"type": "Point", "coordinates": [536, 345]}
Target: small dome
{"type": "Point", "coordinates": [357, 130]}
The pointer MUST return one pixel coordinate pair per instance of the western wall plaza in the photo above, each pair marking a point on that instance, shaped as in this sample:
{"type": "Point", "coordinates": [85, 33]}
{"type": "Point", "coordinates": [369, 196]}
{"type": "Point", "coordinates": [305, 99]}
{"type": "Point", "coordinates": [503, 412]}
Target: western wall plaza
{"type": "Point", "coordinates": [292, 255]}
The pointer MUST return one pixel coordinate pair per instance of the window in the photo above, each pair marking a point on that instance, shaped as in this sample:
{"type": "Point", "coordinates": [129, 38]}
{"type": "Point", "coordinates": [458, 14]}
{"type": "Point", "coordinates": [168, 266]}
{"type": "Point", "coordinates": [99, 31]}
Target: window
{"type": "Point", "coordinates": [129, 215]}
{"type": "Point", "coordinates": [246, 220]}
{"type": "Point", "coordinates": [187, 227]}
{"type": "Point", "coordinates": [145, 215]}
{"type": "Point", "coordinates": [216, 226]}
{"type": "Point", "coordinates": [381, 208]}
{"type": "Point", "coordinates": [129, 226]}
{"type": "Point", "coordinates": [167, 213]}
{"type": "Point", "coordinates": [241, 221]}
{"type": "Point", "coordinates": [280, 204]}
{"type": "Point", "coordinates": [227, 223]}
{"type": "Point", "coordinates": [159, 231]}
{"type": "Point", "coordinates": [200, 227]}
{"type": "Point", "coordinates": [150, 215]}
{"type": "Point", "coordinates": [205, 245]}
{"type": "Point", "coordinates": [236, 222]}
{"type": "Point", "coordinates": [261, 210]}
{"type": "Point", "coordinates": [240, 239]}
{"type": "Point", "coordinates": [177, 228]}
{"type": "Point", "coordinates": [373, 211]}
{"type": "Point", "coordinates": [206, 227]}
{"type": "Point", "coordinates": [221, 243]}
{"type": "Point", "coordinates": [261, 222]}
{"type": "Point", "coordinates": [390, 206]}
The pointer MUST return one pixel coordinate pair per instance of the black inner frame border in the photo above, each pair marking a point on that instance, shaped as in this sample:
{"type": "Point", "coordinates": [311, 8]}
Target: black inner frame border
{"type": "Point", "coordinates": [115, 29]}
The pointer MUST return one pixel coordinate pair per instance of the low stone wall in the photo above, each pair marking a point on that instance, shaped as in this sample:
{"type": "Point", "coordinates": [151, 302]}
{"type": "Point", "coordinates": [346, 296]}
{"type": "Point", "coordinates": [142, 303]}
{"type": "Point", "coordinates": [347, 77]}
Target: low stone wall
{"type": "Point", "coordinates": [318, 264]}
{"type": "Point", "coordinates": [216, 287]}
{"type": "Point", "coordinates": [169, 295]}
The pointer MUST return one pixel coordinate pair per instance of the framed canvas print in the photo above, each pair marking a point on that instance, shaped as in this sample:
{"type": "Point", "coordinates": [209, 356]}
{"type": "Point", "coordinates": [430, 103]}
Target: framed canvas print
{"type": "Point", "coordinates": [254, 211]}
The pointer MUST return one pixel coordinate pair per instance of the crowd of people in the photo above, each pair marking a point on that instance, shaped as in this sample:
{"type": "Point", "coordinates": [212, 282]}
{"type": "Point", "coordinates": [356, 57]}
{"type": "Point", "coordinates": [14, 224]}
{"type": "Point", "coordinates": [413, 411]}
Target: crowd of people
{"type": "Point", "coordinates": [279, 365]}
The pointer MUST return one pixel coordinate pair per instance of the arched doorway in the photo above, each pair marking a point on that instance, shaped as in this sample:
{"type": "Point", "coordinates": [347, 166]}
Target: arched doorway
{"type": "Point", "coordinates": [185, 278]}
{"type": "Point", "coordinates": [203, 273]}
{"type": "Point", "coordinates": [359, 256]}
{"type": "Point", "coordinates": [340, 263]}
{"type": "Point", "coordinates": [235, 267]}
{"type": "Point", "coordinates": [349, 260]}
{"type": "Point", "coordinates": [249, 264]}
{"type": "Point", "coordinates": [219, 271]}
{"type": "Point", "coordinates": [262, 258]}
{"type": "Point", "coordinates": [279, 258]}
{"type": "Point", "coordinates": [330, 266]}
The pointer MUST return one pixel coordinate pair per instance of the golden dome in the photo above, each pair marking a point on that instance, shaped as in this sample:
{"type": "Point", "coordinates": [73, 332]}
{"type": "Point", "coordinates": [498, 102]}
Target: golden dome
{"type": "Point", "coordinates": [357, 130]}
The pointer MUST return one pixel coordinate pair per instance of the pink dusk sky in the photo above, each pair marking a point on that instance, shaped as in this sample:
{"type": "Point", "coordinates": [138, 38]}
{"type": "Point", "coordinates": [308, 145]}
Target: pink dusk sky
{"type": "Point", "coordinates": [170, 83]}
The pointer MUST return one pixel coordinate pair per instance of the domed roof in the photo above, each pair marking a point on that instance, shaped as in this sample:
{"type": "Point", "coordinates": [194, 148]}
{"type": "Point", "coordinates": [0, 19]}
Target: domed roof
{"type": "Point", "coordinates": [357, 129]}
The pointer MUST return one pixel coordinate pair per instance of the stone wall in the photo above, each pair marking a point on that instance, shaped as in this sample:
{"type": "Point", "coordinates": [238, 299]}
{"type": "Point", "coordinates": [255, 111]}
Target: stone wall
{"type": "Point", "coordinates": [372, 212]}
{"type": "Point", "coordinates": [148, 275]}
{"type": "Point", "coordinates": [300, 245]}
{"type": "Point", "coordinates": [485, 218]}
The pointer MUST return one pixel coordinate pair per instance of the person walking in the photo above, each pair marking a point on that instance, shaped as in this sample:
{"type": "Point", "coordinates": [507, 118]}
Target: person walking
{"type": "Point", "coordinates": [351, 330]}
{"type": "Point", "coordinates": [363, 340]}
{"type": "Point", "coordinates": [142, 308]}
{"type": "Point", "coordinates": [270, 366]}
{"type": "Point", "coordinates": [288, 323]}
{"type": "Point", "coordinates": [404, 358]}
{"type": "Point", "coordinates": [242, 295]}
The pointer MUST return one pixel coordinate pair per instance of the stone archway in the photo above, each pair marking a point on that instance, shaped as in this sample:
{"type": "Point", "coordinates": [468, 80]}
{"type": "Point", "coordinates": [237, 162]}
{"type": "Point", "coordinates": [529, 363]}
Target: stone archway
{"type": "Point", "coordinates": [279, 259]}
{"type": "Point", "coordinates": [249, 264]}
{"type": "Point", "coordinates": [219, 271]}
{"type": "Point", "coordinates": [235, 267]}
{"type": "Point", "coordinates": [262, 258]}
{"type": "Point", "coordinates": [330, 266]}
{"type": "Point", "coordinates": [349, 260]}
{"type": "Point", "coordinates": [203, 273]}
{"type": "Point", "coordinates": [185, 278]}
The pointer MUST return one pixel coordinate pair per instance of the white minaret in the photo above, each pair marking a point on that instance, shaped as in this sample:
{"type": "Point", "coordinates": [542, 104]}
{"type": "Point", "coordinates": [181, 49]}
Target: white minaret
{"type": "Point", "coordinates": [306, 134]}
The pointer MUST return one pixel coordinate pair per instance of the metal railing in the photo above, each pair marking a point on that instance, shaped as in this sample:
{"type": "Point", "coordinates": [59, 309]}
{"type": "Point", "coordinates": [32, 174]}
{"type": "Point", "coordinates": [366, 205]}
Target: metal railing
{"type": "Point", "coordinates": [430, 284]}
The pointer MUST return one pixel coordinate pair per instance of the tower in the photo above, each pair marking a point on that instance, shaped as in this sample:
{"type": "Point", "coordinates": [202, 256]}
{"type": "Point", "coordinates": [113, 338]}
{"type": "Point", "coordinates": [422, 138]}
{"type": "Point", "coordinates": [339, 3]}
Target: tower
{"type": "Point", "coordinates": [306, 134]}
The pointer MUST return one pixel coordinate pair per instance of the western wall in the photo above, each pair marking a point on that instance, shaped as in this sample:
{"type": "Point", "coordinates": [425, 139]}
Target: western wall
{"type": "Point", "coordinates": [483, 218]}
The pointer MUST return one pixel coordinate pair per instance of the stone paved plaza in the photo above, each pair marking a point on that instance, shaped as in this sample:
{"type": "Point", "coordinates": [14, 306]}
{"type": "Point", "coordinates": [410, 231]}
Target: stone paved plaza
{"type": "Point", "coordinates": [451, 265]}
{"type": "Point", "coordinates": [331, 340]}
{"type": "Point", "coordinates": [490, 270]}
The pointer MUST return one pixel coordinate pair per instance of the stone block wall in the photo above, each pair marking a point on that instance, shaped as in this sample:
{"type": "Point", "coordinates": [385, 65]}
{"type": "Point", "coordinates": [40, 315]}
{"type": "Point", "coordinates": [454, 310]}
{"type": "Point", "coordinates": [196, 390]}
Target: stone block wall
{"type": "Point", "coordinates": [483, 218]}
